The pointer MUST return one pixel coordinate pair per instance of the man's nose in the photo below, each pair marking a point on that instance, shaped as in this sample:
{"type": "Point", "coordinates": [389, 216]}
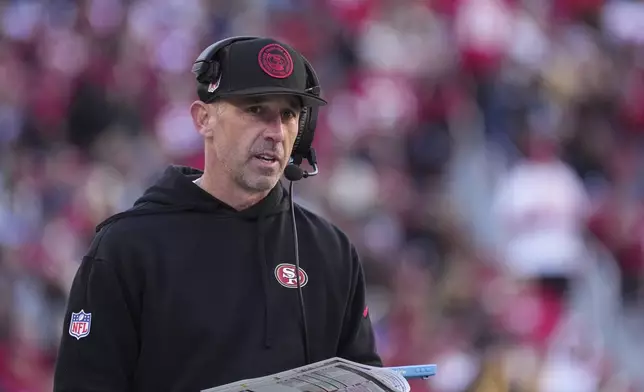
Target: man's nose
{"type": "Point", "coordinates": [275, 129]}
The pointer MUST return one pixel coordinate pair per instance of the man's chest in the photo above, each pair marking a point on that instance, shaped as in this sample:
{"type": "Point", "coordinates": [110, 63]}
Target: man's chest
{"type": "Point", "coordinates": [230, 302]}
{"type": "Point", "coordinates": [233, 291]}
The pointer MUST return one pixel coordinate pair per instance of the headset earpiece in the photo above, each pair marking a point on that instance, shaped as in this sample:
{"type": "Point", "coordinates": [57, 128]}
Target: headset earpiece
{"type": "Point", "coordinates": [306, 134]}
{"type": "Point", "coordinates": [298, 152]}
{"type": "Point", "coordinates": [308, 121]}
{"type": "Point", "coordinates": [207, 68]}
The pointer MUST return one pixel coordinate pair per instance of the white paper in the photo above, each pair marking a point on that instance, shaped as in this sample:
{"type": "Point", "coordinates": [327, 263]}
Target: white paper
{"type": "Point", "coordinates": [335, 374]}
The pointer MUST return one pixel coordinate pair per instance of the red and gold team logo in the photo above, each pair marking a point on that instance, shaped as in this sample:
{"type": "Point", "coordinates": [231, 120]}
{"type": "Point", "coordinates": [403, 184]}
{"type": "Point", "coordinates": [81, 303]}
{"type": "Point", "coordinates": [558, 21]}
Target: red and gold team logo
{"type": "Point", "coordinates": [275, 61]}
{"type": "Point", "coordinates": [285, 274]}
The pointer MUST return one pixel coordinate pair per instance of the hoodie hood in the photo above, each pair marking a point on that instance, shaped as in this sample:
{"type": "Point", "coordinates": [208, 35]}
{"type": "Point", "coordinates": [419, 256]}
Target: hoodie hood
{"type": "Point", "coordinates": [175, 192]}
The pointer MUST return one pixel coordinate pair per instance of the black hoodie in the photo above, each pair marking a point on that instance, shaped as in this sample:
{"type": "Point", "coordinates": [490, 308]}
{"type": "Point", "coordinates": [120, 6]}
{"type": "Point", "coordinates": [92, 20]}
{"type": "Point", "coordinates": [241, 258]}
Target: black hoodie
{"type": "Point", "coordinates": [182, 293]}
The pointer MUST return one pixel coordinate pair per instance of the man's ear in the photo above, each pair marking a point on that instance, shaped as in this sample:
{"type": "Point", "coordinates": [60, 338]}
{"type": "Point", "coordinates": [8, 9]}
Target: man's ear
{"type": "Point", "coordinates": [201, 118]}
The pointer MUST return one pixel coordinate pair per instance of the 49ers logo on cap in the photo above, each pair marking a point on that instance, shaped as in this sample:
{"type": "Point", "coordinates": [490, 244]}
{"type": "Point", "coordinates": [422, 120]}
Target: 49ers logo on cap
{"type": "Point", "coordinates": [285, 274]}
{"type": "Point", "coordinates": [275, 61]}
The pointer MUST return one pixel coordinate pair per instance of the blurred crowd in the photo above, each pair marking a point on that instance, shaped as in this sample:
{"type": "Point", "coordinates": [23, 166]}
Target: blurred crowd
{"type": "Point", "coordinates": [484, 155]}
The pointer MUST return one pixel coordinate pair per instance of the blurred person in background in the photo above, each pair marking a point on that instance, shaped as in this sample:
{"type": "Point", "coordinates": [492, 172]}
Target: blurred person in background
{"type": "Point", "coordinates": [542, 209]}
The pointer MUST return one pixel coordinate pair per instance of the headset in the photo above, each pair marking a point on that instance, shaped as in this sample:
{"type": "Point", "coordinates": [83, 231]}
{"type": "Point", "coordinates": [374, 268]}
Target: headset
{"type": "Point", "coordinates": [208, 70]}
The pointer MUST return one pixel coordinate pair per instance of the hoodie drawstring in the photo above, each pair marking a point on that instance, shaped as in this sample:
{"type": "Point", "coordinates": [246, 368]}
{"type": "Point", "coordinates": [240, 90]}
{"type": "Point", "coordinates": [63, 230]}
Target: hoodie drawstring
{"type": "Point", "coordinates": [261, 249]}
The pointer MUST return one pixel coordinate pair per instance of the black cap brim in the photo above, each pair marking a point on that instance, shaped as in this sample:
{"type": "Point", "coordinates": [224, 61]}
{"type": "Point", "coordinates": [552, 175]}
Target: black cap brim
{"type": "Point", "coordinates": [307, 99]}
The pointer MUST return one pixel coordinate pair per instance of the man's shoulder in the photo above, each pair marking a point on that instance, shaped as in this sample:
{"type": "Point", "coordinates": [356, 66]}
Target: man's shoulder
{"type": "Point", "coordinates": [323, 226]}
{"type": "Point", "coordinates": [118, 232]}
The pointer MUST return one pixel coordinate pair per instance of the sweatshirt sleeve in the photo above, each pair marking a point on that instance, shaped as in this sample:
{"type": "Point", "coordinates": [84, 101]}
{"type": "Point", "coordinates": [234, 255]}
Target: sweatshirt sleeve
{"type": "Point", "coordinates": [99, 343]}
{"type": "Point", "coordinates": [358, 339]}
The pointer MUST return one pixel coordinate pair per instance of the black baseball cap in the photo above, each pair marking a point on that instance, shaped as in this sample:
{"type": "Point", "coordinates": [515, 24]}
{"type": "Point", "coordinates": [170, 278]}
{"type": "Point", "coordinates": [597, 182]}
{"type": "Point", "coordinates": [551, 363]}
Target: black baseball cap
{"type": "Point", "coordinates": [259, 67]}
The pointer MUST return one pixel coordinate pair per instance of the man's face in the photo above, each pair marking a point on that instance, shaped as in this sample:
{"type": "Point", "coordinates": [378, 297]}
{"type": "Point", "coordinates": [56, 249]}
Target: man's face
{"type": "Point", "coordinates": [253, 138]}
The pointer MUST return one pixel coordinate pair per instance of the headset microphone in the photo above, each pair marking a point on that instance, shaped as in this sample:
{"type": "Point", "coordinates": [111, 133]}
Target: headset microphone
{"type": "Point", "coordinates": [293, 172]}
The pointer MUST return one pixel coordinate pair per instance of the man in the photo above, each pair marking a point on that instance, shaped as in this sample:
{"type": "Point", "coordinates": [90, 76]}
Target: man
{"type": "Point", "coordinates": [192, 287]}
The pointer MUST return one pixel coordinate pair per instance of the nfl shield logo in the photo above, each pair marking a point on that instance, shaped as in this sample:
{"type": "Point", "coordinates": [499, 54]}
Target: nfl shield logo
{"type": "Point", "coordinates": [80, 324]}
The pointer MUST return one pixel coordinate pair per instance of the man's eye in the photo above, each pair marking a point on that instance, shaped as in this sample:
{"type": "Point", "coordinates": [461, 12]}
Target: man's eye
{"type": "Point", "coordinates": [289, 114]}
{"type": "Point", "coordinates": [254, 109]}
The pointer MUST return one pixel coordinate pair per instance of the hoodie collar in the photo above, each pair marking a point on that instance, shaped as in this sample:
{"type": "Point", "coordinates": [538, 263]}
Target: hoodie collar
{"type": "Point", "coordinates": [175, 191]}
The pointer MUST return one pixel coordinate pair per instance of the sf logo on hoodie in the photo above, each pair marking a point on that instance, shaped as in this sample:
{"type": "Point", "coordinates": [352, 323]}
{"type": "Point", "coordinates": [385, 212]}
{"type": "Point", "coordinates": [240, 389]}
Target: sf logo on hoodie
{"type": "Point", "coordinates": [285, 274]}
